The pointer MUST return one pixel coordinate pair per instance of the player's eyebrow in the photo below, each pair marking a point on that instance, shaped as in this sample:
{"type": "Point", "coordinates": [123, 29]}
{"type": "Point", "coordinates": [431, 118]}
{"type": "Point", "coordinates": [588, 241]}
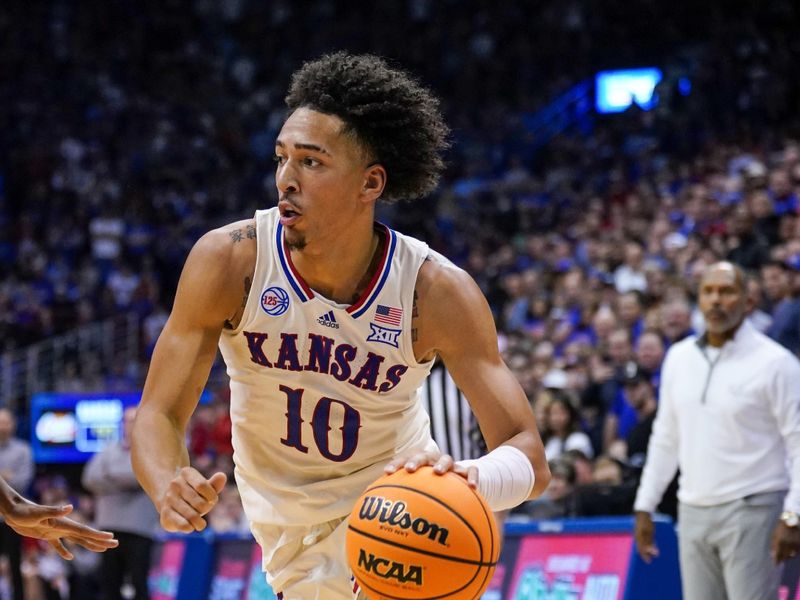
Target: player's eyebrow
{"type": "Point", "coordinates": [312, 147]}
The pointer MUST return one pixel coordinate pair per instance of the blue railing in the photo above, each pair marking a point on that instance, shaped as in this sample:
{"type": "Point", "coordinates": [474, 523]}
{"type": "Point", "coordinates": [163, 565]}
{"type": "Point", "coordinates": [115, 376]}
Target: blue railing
{"type": "Point", "coordinates": [573, 108]}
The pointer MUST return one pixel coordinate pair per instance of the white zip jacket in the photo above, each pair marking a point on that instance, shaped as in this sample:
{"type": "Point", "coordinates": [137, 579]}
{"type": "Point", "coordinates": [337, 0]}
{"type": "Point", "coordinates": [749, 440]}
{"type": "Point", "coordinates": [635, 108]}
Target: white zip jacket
{"type": "Point", "coordinates": [732, 424]}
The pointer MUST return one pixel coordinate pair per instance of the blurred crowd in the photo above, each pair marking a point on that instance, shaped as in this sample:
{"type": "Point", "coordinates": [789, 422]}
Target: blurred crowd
{"type": "Point", "coordinates": [130, 129]}
{"type": "Point", "coordinates": [588, 308]}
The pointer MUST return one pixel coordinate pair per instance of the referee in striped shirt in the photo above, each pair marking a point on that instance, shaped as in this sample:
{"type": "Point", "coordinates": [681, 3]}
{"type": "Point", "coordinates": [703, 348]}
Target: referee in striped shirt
{"type": "Point", "coordinates": [453, 426]}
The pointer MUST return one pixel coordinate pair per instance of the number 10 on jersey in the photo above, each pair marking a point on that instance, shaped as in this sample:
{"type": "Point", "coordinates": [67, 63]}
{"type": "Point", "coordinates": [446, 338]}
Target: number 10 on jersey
{"type": "Point", "coordinates": [320, 425]}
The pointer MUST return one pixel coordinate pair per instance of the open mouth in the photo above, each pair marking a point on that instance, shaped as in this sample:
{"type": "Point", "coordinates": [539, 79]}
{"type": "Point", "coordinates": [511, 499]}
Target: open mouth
{"type": "Point", "coordinates": [288, 214]}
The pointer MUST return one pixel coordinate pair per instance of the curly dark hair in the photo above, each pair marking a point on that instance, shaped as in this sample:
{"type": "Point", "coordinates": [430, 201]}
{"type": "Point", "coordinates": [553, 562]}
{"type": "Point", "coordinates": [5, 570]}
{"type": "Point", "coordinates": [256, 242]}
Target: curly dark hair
{"type": "Point", "coordinates": [391, 115]}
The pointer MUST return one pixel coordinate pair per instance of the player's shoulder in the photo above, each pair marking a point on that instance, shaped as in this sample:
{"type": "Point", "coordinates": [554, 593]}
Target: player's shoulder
{"type": "Point", "coordinates": [239, 232]}
{"type": "Point", "coordinates": [439, 278]}
{"type": "Point", "coordinates": [446, 293]}
{"type": "Point", "coordinates": [228, 250]}
{"type": "Point", "coordinates": [451, 312]}
{"type": "Point", "coordinates": [229, 239]}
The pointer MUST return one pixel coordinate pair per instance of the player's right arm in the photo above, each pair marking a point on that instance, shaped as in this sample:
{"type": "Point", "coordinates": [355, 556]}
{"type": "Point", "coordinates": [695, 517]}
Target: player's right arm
{"type": "Point", "coordinates": [209, 293]}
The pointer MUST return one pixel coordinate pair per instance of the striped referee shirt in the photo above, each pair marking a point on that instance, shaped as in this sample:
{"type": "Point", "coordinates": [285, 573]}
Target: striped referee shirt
{"type": "Point", "coordinates": [453, 425]}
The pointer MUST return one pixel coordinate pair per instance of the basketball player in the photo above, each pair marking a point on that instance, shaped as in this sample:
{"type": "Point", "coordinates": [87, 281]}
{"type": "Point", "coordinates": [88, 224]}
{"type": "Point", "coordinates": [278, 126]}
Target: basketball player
{"type": "Point", "coordinates": [328, 323]}
{"type": "Point", "coordinates": [50, 523]}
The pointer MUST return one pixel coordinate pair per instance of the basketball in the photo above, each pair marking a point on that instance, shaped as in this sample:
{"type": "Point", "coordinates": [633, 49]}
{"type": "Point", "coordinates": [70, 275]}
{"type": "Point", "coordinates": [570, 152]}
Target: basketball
{"type": "Point", "coordinates": [422, 536]}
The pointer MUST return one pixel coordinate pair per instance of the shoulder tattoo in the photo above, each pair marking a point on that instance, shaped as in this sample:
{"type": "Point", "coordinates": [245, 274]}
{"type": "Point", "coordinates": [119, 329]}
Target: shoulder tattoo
{"type": "Point", "coordinates": [237, 235]}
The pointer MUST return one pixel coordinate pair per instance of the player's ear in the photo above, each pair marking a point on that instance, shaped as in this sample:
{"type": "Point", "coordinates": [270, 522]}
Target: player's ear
{"type": "Point", "coordinates": [374, 182]}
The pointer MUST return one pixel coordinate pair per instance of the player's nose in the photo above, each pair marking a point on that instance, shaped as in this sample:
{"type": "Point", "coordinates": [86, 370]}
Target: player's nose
{"type": "Point", "coordinates": [286, 180]}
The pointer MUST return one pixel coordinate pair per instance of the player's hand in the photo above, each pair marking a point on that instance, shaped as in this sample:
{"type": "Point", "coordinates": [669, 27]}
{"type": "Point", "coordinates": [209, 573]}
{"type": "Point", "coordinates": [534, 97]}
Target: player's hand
{"type": "Point", "coordinates": [189, 497]}
{"type": "Point", "coordinates": [644, 534]}
{"type": "Point", "coordinates": [785, 542]}
{"type": "Point", "coordinates": [442, 463]}
{"type": "Point", "coordinates": [51, 524]}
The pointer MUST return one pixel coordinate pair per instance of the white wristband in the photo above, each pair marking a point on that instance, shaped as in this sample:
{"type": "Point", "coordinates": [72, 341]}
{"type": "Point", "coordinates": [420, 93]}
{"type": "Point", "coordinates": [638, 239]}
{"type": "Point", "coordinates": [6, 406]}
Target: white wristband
{"type": "Point", "coordinates": [505, 477]}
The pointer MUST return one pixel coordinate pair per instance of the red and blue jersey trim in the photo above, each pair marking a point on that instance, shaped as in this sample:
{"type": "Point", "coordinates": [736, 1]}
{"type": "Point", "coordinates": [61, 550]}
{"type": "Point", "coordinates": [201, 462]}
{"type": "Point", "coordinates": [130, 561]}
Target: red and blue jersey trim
{"type": "Point", "coordinates": [378, 279]}
{"type": "Point", "coordinates": [298, 285]}
{"type": "Point", "coordinates": [372, 290]}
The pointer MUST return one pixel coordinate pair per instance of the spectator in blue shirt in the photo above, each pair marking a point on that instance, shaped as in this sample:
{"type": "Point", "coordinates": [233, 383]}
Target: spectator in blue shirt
{"type": "Point", "coordinates": [785, 327]}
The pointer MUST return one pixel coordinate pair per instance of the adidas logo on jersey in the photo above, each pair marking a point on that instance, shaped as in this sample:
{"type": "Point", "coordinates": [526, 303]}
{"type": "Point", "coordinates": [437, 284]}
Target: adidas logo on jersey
{"type": "Point", "coordinates": [328, 320]}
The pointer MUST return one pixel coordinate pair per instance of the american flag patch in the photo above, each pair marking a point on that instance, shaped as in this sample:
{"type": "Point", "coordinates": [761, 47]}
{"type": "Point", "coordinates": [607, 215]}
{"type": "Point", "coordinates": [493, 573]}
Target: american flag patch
{"type": "Point", "coordinates": [389, 315]}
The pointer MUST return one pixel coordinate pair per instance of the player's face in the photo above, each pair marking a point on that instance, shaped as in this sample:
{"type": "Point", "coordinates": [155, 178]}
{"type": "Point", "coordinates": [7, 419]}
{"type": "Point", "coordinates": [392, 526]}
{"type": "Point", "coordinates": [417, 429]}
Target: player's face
{"type": "Point", "coordinates": [320, 177]}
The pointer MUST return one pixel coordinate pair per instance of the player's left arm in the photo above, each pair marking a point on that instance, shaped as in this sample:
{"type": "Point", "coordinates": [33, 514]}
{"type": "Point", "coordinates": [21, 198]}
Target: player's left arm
{"type": "Point", "coordinates": [453, 319]}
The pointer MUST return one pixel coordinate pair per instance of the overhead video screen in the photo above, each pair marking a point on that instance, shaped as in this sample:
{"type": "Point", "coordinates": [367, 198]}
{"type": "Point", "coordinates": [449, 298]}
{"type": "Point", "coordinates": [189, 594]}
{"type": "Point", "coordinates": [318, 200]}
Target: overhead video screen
{"type": "Point", "coordinates": [617, 90]}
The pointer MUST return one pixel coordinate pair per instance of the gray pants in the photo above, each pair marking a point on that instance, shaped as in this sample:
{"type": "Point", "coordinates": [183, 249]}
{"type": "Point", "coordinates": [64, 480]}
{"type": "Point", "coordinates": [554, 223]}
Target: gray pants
{"type": "Point", "coordinates": [725, 549]}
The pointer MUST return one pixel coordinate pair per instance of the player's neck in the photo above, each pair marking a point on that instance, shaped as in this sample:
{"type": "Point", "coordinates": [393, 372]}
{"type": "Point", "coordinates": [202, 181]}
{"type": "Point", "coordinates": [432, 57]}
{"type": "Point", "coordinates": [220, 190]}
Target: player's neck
{"type": "Point", "coordinates": [343, 270]}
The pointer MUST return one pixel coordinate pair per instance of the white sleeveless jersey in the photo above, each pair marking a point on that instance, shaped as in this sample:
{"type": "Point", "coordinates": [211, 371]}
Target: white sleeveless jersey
{"type": "Point", "coordinates": [323, 395]}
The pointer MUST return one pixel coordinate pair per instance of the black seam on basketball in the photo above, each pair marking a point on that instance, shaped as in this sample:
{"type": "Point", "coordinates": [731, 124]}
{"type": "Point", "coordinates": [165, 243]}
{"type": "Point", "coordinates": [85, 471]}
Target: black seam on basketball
{"type": "Point", "coordinates": [489, 566]}
{"type": "Point", "coordinates": [378, 538]}
{"type": "Point", "coordinates": [435, 499]}
{"type": "Point", "coordinates": [490, 521]}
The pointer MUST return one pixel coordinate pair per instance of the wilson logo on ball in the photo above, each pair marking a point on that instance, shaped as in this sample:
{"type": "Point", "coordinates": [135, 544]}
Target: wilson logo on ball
{"type": "Point", "coordinates": [388, 569]}
{"type": "Point", "coordinates": [395, 514]}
